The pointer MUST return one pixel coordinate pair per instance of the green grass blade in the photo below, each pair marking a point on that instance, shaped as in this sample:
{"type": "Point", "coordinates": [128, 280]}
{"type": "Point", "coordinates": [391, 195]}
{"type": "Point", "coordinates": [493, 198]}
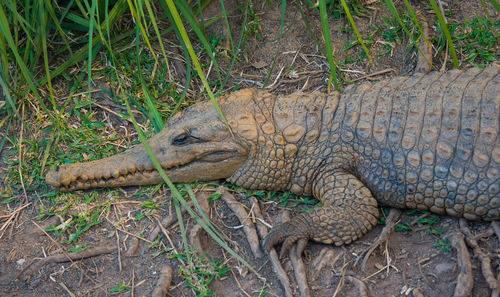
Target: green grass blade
{"type": "Point", "coordinates": [192, 54]}
{"type": "Point", "coordinates": [238, 47]}
{"type": "Point", "coordinates": [224, 12]}
{"type": "Point", "coordinates": [328, 46]}
{"type": "Point", "coordinates": [113, 16]}
{"type": "Point", "coordinates": [53, 16]}
{"type": "Point", "coordinates": [495, 5]}
{"type": "Point", "coordinates": [43, 38]}
{"type": "Point", "coordinates": [278, 48]}
{"type": "Point", "coordinates": [311, 33]}
{"type": "Point", "coordinates": [353, 24]}
{"type": "Point", "coordinates": [446, 32]}
{"type": "Point", "coordinates": [139, 16]}
{"type": "Point", "coordinates": [152, 110]}
{"type": "Point", "coordinates": [5, 136]}
{"type": "Point", "coordinates": [157, 31]}
{"type": "Point", "coordinates": [187, 13]}
{"type": "Point", "coordinates": [24, 70]}
{"type": "Point", "coordinates": [198, 207]}
{"type": "Point", "coordinates": [6, 92]}
{"type": "Point", "coordinates": [89, 58]}
{"type": "Point", "coordinates": [395, 12]}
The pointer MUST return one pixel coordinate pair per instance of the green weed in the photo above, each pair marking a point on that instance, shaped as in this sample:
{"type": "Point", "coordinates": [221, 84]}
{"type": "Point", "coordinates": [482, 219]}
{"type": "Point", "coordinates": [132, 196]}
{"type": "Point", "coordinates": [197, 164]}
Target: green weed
{"type": "Point", "coordinates": [121, 287]}
{"type": "Point", "coordinates": [200, 272]}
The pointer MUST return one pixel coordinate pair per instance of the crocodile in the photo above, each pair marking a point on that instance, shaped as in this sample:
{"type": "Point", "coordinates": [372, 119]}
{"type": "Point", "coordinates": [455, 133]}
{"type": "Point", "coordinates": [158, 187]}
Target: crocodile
{"type": "Point", "coordinates": [424, 141]}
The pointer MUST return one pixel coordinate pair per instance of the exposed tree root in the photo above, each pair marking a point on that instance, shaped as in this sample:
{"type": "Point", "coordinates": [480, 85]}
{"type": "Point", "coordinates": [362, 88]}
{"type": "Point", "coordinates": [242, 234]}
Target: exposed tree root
{"type": "Point", "coordinates": [478, 251]}
{"type": "Point", "coordinates": [133, 247]}
{"type": "Point", "coordinates": [360, 285]}
{"type": "Point", "coordinates": [166, 223]}
{"type": "Point", "coordinates": [300, 272]}
{"type": "Point", "coordinates": [390, 223]}
{"type": "Point", "coordinates": [195, 240]}
{"type": "Point", "coordinates": [248, 227]}
{"type": "Point", "coordinates": [163, 283]}
{"type": "Point", "coordinates": [465, 280]}
{"type": "Point", "coordinates": [273, 256]}
{"type": "Point", "coordinates": [262, 228]}
{"type": "Point", "coordinates": [197, 230]}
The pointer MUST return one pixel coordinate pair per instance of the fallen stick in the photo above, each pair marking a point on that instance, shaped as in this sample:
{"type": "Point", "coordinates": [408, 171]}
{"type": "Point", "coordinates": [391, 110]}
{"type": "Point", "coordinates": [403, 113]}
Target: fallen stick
{"type": "Point", "coordinates": [163, 283]}
{"type": "Point", "coordinates": [248, 227]}
{"type": "Point", "coordinates": [74, 256]}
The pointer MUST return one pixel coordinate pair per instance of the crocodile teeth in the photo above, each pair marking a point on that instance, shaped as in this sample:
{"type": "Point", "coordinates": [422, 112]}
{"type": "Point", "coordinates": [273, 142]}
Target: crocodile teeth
{"type": "Point", "coordinates": [84, 177]}
{"type": "Point", "coordinates": [115, 173]}
{"type": "Point", "coordinates": [138, 175]}
{"type": "Point", "coordinates": [107, 174]}
{"type": "Point", "coordinates": [102, 183]}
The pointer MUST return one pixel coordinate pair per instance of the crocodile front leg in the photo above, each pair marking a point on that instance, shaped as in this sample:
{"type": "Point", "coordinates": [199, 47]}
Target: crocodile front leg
{"type": "Point", "coordinates": [349, 211]}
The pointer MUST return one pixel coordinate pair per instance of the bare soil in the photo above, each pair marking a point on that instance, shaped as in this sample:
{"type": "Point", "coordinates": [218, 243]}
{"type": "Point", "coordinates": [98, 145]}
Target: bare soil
{"type": "Point", "coordinates": [410, 262]}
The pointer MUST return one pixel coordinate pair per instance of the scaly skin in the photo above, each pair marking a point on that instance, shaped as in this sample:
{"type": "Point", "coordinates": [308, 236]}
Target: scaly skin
{"type": "Point", "coordinates": [427, 142]}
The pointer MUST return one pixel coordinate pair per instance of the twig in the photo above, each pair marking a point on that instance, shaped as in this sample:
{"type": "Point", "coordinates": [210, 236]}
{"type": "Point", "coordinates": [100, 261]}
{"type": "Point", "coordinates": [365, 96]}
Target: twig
{"type": "Point", "coordinates": [10, 218]}
{"type": "Point", "coordinates": [118, 249]}
{"type": "Point", "coordinates": [66, 289]}
{"type": "Point", "coordinates": [421, 270]}
{"type": "Point", "coordinates": [373, 74]}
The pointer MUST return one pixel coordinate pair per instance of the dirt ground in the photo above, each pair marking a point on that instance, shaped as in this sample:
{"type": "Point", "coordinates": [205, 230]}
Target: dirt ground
{"type": "Point", "coordinates": [416, 262]}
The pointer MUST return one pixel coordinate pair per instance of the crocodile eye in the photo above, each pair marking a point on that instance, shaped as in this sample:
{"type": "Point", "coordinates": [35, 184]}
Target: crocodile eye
{"type": "Point", "coordinates": [181, 139]}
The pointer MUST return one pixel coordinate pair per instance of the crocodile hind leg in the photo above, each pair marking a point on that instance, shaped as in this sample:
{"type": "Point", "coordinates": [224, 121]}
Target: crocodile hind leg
{"type": "Point", "coordinates": [348, 212]}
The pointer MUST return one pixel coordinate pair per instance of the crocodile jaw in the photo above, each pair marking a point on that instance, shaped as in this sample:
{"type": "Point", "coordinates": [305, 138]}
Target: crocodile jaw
{"type": "Point", "coordinates": [134, 167]}
{"type": "Point", "coordinates": [211, 153]}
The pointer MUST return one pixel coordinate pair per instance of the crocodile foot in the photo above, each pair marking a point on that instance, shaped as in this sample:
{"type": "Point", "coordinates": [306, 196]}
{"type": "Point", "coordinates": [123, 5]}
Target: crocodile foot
{"type": "Point", "coordinates": [288, 233]}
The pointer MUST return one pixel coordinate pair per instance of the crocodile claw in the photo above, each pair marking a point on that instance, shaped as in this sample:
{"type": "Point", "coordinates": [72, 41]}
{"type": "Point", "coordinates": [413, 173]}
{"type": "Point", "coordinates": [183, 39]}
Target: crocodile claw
{"type": "Point", "coordinates": [288, 233]}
